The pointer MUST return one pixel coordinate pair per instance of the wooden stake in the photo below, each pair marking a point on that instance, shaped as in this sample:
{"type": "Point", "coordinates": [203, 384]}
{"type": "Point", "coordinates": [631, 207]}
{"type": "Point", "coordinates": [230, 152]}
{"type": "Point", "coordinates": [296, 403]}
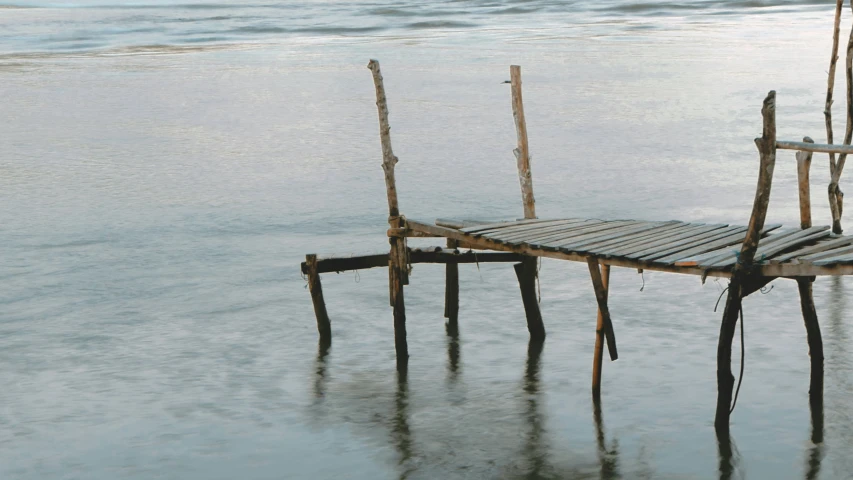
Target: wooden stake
{"type": "Point", "coordinates": [767, 150]}
{"type": "Point", "coordinates": [526, 273]}
{"type": "Point", "coordinates": [813, 336]}
{"type": "Point", "coordinates": [804, 163]}
{"type": "Point", "coordinates": [324, 326]}
{"type": "Point", "coordinates": [451, 293]}
{"type": "Point", "coordinates": [601, 297]}
{"type": "Point", "coordinates": [830, 85]}
{"type": "Point", "coordinates": [598, 356]}
{"type": "Point", "coordinates": [522, 152]}
{"type": "Point", "coordinates": [397, 258]}
{"type": "Point", "coordinates": [725, 379]}
{"type": "Point", "coordinates": [836, 196]}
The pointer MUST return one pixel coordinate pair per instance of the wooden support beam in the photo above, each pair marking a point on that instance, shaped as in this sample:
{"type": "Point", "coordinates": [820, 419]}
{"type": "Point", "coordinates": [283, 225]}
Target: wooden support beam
{"type": "Point", "coordinates": [522, 152]}
{"type": "Point", "coordinates": [526, 273]}
{"type": "Point", "coordinates": [598, 355]}
{"type": "Point", "coordinates": [451, 292]}
{"type": "Point", "coordinates": [804, 285]}
{"type": "Point", "coordinates": [804, 163]}
{"type": "Point", "coordinates": [814, 147]}
{"type": "Point", "coordinates": [416, 255]}
{"type": "Point", "coordinates": [398, 274]}
{"type": "Point", "coordinates": [324, 326]}
{"type": "Point", "coordinates": [601, 297]}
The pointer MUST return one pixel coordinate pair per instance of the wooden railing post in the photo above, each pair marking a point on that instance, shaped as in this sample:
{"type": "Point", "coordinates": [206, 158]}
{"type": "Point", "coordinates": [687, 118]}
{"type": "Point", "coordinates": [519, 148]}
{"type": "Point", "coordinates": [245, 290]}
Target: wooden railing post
{"type": "Point", "coordinates": [397, 258]}
{"type": "Point", "coordinates": [324, 326]}
{"type": "Point", "coordinates": [804, 163]}
{"type": "Point", "coordinates": [526, 270]}
{"type": "Point", "coordinates": [741, 274]}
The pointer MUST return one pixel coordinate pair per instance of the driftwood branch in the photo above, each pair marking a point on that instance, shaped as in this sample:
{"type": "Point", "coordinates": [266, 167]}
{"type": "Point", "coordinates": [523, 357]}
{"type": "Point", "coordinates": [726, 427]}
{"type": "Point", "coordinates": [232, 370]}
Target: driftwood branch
{"type": "Point", "coordinates": [767, 150]}
{"type": "Point", "coordinates": [813, 147]}
{"type": "Point", "coordinates": [830, 84]}
{"type": "Point", "coordinates": [522, 152]}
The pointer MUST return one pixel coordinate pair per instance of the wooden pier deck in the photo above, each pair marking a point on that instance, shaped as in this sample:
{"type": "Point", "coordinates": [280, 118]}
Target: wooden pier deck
{"type": "Point", "coordinates": [750, 255]}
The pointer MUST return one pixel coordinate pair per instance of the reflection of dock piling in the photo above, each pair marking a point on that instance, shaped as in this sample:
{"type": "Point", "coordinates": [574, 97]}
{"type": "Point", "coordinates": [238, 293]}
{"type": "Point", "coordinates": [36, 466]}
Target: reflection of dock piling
{"type": "Point", "coordinates": [751, 255]}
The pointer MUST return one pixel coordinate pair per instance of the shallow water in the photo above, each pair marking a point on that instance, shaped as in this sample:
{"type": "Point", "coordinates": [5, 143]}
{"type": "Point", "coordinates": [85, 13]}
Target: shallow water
{"type": "Point", "coordinates": [165, 168]}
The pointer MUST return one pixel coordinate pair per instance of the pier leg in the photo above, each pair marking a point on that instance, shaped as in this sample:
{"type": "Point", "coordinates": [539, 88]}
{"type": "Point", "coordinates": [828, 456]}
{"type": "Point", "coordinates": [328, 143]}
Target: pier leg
{"type": "Point", "coordinates": [604, 312]}
{"type": "Point", "coordinates": [598, 356]}
{"type": "Point", "coordinates": [451, 294]}
{"type": "Point", "coordinates": [814, 338]}
{"type": "Point", "coordinates": [316, 288]}
{"type": "Point", "coordinates": [396, 278]}
{"type": "Point", "coordinates": [526, 273]}
{"type": "Point", "coordinates": [725, 379]}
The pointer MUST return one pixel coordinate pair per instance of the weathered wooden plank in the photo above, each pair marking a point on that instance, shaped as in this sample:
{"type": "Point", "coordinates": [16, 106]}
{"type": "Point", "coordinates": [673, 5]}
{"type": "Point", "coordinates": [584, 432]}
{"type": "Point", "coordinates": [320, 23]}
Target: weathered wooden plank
{"type": "Point", "coordinates": [624, 233]}
{"type": "Point", "coordinates": [656, 230]}
{"type": "Point", "coordinates": [514, 234]}
{"type": "Point", "coordinates": [694, 241]}
{"type": "Point", "coordinates": [487, 244]}
{"type": "Point", "coordinates": [518, 228]}
{"type": "Point", "coordinates": [552, 241]}
{"type": "Point", "coordinates": [632, 247]}
{"type": "Point", "coordinates": [829, 244]}
{"type": "Point", "coordinates": [767, 251]}
{"type": "Point", "coordinates": [835, 260]}
{"type": "Point", "coordinates": [456, 223]}
{"type": "Point", "coordinates": [478, 228]}
{"type": "Point", "coordinates": [814, 147]}
{"type": "Point", "coordinates": [522, 152]}
{"type": "Point", "coordinates": [826, 254]}
{"type": "Point", "coordinates": [717, 255]}
{"type": "Point", "coordinates": [601, 298]}
{"type": "Point", "coordinates": [715, 246]}
{"type": "Point", "coordinates": [665, 243]}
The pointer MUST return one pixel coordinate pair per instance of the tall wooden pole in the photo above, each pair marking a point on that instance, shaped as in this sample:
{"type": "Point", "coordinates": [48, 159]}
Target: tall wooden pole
{"type": "Point", "coordinates": [397, 258]}
{"type": "Point", "coordinates": [804, 163]}
{"type": "Point", "coordinates": [742, 282]}
{"type": "Point", "coordinates": [526, 270]}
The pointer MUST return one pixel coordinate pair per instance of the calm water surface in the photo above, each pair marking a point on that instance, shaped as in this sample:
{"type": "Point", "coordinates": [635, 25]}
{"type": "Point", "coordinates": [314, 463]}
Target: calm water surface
{"type": "Point", "coordinates": [164, 168]}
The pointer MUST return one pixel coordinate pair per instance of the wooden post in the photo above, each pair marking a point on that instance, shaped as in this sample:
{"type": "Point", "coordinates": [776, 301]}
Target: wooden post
{"type": "Point", "coordinates": [804, 163]}
{"type": "Point", "coordinates": [830, 85]}
{"type": "Point", "coordinates": [451, 293]}
{"type": "Point", "coordinates": [522, 152]}
{"type": "Point", "coordinates": [741, 274]}
{"type": "Point", "coordinates": [813, 336]}
{"type": "Point", "coordinates": [598, 356]}
{"type": "Point", "coordinates": [397, 262]}
{"type": "Point", "coordinates": [316, 289]}
{"type": "Point", "coordinates": [526, 273]}
{"type": "Point", "coordinates": [836, 196]}
{"type": "Point", "coordinates": [601, 298]}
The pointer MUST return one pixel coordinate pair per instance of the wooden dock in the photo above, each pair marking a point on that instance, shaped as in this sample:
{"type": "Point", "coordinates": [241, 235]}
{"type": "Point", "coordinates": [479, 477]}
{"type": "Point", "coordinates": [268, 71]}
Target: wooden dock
{"type": "Point", "coordinates": [750, 255]}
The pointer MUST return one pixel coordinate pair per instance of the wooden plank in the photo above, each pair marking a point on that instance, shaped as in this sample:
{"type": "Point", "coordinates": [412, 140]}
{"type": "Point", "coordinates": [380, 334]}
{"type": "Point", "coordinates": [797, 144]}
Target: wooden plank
{"type": "Point", "coordinates": [601, 298]}
{"type": "Point", "coordinates": [623, 233]}
{"type": "Point", "coordinates": [506, 223]}
{"type": "Point", "coordinates": [692, 242]}
{"type": "Point", "coordinates": [835, 252]}
{"type": "Point", "coordinates": [820, 247]}
{"type": "Point", "coordinates": [814, 147]}
{"type": "Point", "coordinates": [519, 227]}
{"type": "Point", "coordinates": [664, 243]}
{"type": "Point", "coordinates": [628, 248]}
{"type": "Point", "coordinates": [553, 241]}
{"type": "Point", "coordinates": [767, 251]}
{"type": "Point", "coordinates": [715, 246]}
{"type": "Point", "coordinates": [716, 255]}
{"type": "Point", "coordinates": [454, 223]}
{"type": "Point", "coordinates": [487, 244]}
{"type": "Point", "coordinates": [513, 234]}
{"type": "Point", "coordinates": [522, 152]}
{"type": "Point", "coordinates": [598, 245]}
{"type": "Point", "coordinates": [835, 260]}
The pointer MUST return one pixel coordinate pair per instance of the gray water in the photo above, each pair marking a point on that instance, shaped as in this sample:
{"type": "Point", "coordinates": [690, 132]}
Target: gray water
{"type": "Point", "coordinates": [165, 167]}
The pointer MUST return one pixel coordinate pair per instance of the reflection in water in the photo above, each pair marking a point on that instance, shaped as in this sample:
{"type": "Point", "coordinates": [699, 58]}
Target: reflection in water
{"type": "Point", "coordinates": [535, 449]}
{"type": "Point", "coordinates": [729, 455]}
{"type": "Point", "coordinates": [452, 353]}
{"type": "Point", "coordinates": [815, 454]}
{"type": "Point", "coordinates": [320, 369]}
{"type": "Point", "coordinates": [608, 458]}
{"type": "Point", "coordinates": [400, 432]}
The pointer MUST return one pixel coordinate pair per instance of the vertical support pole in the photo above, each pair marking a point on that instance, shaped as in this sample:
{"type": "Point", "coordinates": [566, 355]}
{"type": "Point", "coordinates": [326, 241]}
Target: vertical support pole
{"type": "Point", "coordinates": [741, 272]}
{"type": "Point", "coordinates": [601, 298]}
{"type": "Point", "coordinates": [397, 258]}
{"type": "Point", "coordinates": [324, 326]}
{"type": "Point", "coordinates": [522, 152]}
{"type": "Point", "coordinates": [526, 274]}
{"type": "Point", "coordinates": [804, 163]}
{"type": "Point", "coordinates": [526, 270]}
{"type": "Point", "coordinates": [804, 285]}
{"type": "Point", "coordinates": [835, 194]}
{"type": "Point", "coordinates": [598, 356]}
{"type": "Point", "coordinates": [451, 293]}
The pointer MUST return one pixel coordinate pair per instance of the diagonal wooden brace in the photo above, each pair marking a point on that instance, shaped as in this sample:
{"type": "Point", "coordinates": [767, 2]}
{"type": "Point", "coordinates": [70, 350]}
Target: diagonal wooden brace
{"type": "Point", "coordinates": [601, 297]}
